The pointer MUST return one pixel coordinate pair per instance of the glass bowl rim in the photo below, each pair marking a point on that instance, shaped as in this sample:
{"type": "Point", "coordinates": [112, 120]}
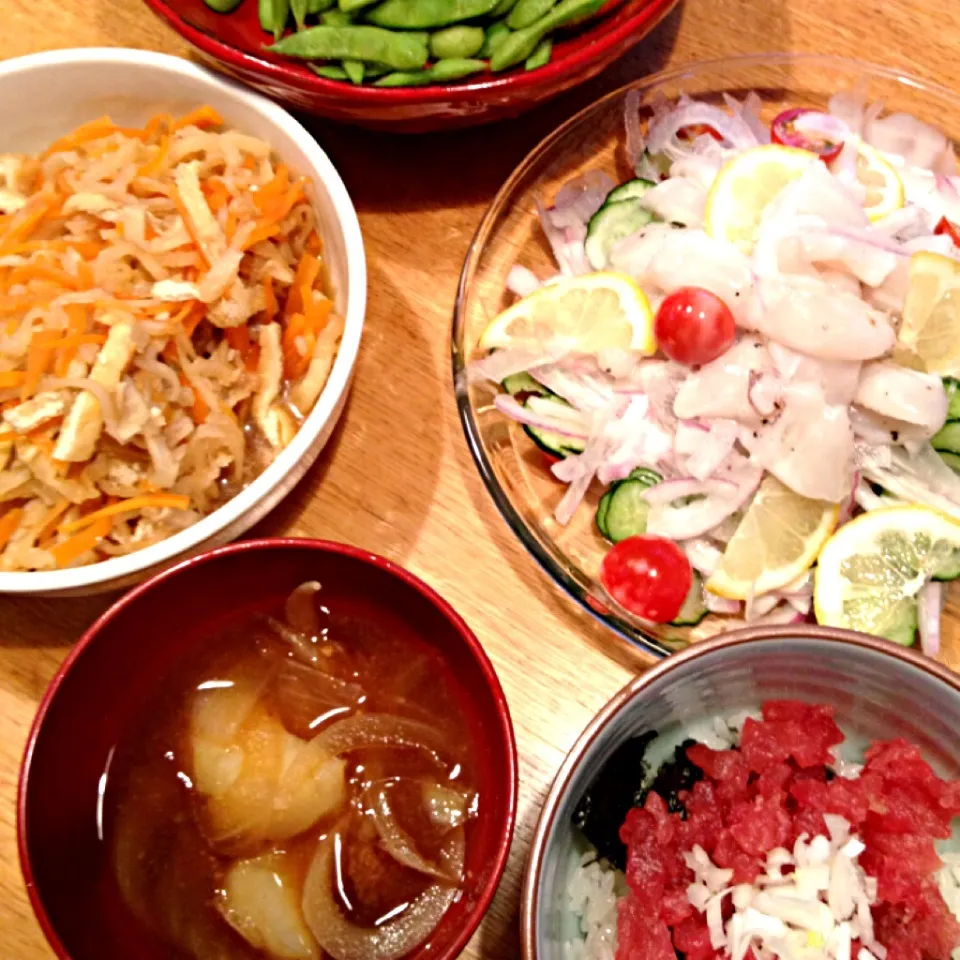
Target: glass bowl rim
{"type": "Point", "coordinates": [620, 626]}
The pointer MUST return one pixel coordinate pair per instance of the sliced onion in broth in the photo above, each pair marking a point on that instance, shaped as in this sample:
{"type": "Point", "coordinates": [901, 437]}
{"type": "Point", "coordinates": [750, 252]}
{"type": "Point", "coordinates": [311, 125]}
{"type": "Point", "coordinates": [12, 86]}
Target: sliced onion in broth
{"type": "Point", "coordinates": [382, 730]}
{"type": "Point", "coordinates": [344, 940]}
{"type": "Point", "coordinates": [401, 846]}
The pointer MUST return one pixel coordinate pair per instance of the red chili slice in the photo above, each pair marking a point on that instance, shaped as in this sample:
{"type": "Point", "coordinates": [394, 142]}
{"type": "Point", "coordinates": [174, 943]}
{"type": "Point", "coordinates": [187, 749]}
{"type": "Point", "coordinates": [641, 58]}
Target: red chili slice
{"type": "Point", "coordinates": [783, 131]}
{"type": "Point", "coordinates": [698, 130]}
{"type": "Point", "coordinates": [947, 228]}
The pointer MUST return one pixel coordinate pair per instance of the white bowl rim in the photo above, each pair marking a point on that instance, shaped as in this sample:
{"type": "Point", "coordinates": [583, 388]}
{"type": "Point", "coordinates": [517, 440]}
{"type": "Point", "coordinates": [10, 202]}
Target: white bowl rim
{"type": "Point", "coordinates": [117, 568]}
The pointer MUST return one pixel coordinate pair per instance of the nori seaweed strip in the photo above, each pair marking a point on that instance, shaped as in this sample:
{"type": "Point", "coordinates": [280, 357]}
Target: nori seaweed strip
{"type": "Point", "coordinates": [620, 787]}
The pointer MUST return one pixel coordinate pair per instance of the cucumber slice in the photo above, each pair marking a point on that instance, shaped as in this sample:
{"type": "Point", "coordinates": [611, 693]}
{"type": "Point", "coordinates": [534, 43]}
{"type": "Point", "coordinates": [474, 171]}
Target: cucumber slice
{"type": "Point", "coordinates": [555, 444]}
{"type": "Point", "coordinates": [627, 514]}
{"type": "Point", "coordinates": [694, 609]}
{"type": "Point", "coordinates": [952, 460]}
{"type": "Point", "coordinates": [949, 569]}
{"type": "Point", "coordinates": [659, 161]}
{"type": "Point", "coordinates": [612, 222]}
{"type": "Point", "coordinates": [602, 507]}
{"type": "Point", "coordinates": [952, 386]}
{"type": "Point", "coordinates": [631, 190]}
{"type": "Point", "coordinates": [904, 631]}
{"type": "Point", "coordinates": [523, 383]}
{"type": "Point", "coordinates": [947, 439]}
{"type": "Point", "coordinates": [646, 475]}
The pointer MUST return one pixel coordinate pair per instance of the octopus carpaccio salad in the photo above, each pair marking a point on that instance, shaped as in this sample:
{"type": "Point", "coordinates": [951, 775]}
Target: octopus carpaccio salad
{"type": "Point", "coordinates": [166, 323]}
{"type": "Point", "coordinates": [751, 345]}
{"type": "Point", "coordinates": [756, 841]}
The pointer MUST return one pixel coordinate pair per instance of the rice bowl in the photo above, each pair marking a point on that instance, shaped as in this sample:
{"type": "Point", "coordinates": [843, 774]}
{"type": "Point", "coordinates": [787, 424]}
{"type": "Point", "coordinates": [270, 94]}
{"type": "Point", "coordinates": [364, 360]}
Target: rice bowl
{"type": "Point", "coordinates": [571, 901]}
{"type": "Point", "coordinates": [153, 83]}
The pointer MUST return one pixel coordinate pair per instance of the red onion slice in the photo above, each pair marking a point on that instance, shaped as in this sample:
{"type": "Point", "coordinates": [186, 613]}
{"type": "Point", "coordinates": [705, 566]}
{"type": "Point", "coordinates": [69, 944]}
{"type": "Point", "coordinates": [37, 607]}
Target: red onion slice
{"type": "Point", "coordinates": [344, 940]}
{"type": "Point", "coordinates": [521, 281]}
{"type": "Point", "coordinates": [565, 427]}
{"type": "Point", "coordinates": [930, 601]}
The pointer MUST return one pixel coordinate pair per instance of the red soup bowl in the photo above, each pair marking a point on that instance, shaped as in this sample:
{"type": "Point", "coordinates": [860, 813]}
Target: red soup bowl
{"type": "Point", "coordinates": [234, 43]}
{"type": "Point", "coordinates": [123, 659]}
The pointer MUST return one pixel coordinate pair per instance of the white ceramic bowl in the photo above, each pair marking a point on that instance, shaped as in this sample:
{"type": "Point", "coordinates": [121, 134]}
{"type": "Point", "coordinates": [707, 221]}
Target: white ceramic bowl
{"type": "Point", "coordinates": [48, 94]}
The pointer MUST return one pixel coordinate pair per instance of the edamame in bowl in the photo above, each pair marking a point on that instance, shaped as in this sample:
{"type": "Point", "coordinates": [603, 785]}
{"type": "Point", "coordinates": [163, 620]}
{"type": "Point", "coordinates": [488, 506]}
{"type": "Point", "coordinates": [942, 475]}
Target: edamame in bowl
{"type": "Point", "coordinates": [413, 64]}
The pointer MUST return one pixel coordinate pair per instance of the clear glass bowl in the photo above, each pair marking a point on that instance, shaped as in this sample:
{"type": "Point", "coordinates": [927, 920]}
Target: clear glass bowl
{"type": "Point", "coordinates": [513, 469]}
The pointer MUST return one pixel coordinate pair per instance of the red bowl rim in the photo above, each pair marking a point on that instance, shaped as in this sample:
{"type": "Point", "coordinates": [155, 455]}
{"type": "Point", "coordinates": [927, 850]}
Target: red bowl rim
{"type": "Point", "coordinates": [591, 45]}
{"type": "Point", "coordinates": [499, 860]}
{"type": "Point", "coordinates": [532, 877]}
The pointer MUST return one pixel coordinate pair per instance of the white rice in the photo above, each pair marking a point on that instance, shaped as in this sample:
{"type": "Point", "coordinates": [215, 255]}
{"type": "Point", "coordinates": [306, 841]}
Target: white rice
{"type": "Point", "coordinates": [948, 879]}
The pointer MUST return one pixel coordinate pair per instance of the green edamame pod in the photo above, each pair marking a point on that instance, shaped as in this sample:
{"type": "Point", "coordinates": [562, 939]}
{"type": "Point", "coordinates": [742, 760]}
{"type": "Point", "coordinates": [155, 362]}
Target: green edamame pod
{"type": "Point", "coordinates": [318, 6]}
{"type": "Point", "coordinates": [456, 68]}
{"type": "Point", "coordinates": [423, 35]}
{"type": "Point", "coordinates": [222, 6]}
{"type": "Point", "coordinates": [349, 6]}
{"type": "Point", "coordinates": [355, 70]}
{"type": "Point", "coordinates": [427, 14]}
{"type": "Point", "coordinates": [541, 56]}
{"type": "Point", "coordinates": [336, 18]}
{"type": "Point", "coordinates": [371, 71]}
{"type": "Point", "coordinates": [520, 44]}
{"type": "Point", "coordinates": [527, 12]}
{"type": "Point", "coordinates": [299, 10]}
{"type": "Point", "coordinates": [495, 35]}
{"type": "Point", "coordinates": [502, 8]}
{"type": "Point", "coordinates": [396, 50]}
{"type": "Point", "coordinates": [458, 41]}
{"type": "Point", "coordinates": [279, 15]}
{"type": "Point", "coordinates": [329, 71]}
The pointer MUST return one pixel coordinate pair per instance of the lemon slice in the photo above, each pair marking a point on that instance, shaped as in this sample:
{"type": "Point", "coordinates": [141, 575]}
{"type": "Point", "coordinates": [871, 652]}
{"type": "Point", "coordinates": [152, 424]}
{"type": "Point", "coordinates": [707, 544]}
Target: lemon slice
{"type": "Point", "coordinates": [777, 540]}
{"type": "Point", "coordinates": [595, 311]}
{"type": "Point", "coordinates": [871, 569]}
{"type": "Point", "coordinates": [745, 185]}
{"type": "Point", "coordinates": [931, 313]}
{"type": "Point", "coordinates": [885, 191]}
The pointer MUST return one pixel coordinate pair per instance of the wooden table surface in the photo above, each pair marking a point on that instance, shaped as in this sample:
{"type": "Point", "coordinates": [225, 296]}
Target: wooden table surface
{"type": "Point", "coordinates": [429, 510]}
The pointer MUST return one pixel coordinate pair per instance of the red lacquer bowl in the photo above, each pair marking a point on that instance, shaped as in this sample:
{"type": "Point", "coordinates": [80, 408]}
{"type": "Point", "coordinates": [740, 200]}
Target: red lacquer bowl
{"type": "Point", "coordinates": [118, 664]}
{"type": "Point", "coordinates": [233, 43]}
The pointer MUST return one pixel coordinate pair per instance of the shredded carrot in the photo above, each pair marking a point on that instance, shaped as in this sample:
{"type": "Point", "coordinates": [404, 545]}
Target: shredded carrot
{"type": "Point", "coordinates": [170, 354]}
{"type": "Point", "coordinates": [176, 501]}
{"type": "Point", "coordinates": [263, 231]}
{"type": "Point", "coordinates": [272, 192]}
{"type": "Point", "coordinates": [76, 546]}
{"type": "Point", "coordinates": [194, 318]}
{"type": "Point", "coordinates": [76, 324]}
{"type": "Point", "coordinates": [308, 269]}
{"type": "Point", "coordinates": [154, 164]}
{"type": "Point", "coordinates": [8, 525]}
{"type": "Point", "coordinates": [157, 125]}
{"type": "Point", "coordinates": [43, 271]}
{"type": "Point", "coordinates": [26, 220]}
{"type": "Point", "coordinates": [231, 226]}
{"type": "Point", "coordinates": [88, 132]}
{"type": "Point", "coordinates": [202, 117]}
{"type": "Point", "coordinates": [216, 194]}
{"type": "Point", "coordinates": [315, 243]}
{"type": "Point", "coordinates": [39, 357]}
{"type": "Point", "coordinates": [238, 337]}
{"type": "Point", "coordinates": [50, 521]}
{"type": "Point", "coordinates": [249, 162]}
{"type": "Point", "coordinates": [269, 298]}
{"type": "Point", "coordinates": [12, 378]}
{"type": "Point", "coordinates": [293, 358]}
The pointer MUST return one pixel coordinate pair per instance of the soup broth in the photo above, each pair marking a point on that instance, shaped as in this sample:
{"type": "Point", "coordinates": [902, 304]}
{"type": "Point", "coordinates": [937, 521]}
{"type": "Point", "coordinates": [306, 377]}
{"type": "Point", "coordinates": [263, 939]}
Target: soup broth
{"type": "Point", "coordinates": [304, 788]}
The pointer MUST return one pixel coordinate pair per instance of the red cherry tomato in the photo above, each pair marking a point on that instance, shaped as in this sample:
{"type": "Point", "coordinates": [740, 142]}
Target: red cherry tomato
{"type": "Point", "coordinates": [647, 575]}
{"type": "Point", "coordinates": [948, 228]}
{"type": "Point", "coordinates": [694, 326]}
{"type": "Point", "coordinates": [783, 131]}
